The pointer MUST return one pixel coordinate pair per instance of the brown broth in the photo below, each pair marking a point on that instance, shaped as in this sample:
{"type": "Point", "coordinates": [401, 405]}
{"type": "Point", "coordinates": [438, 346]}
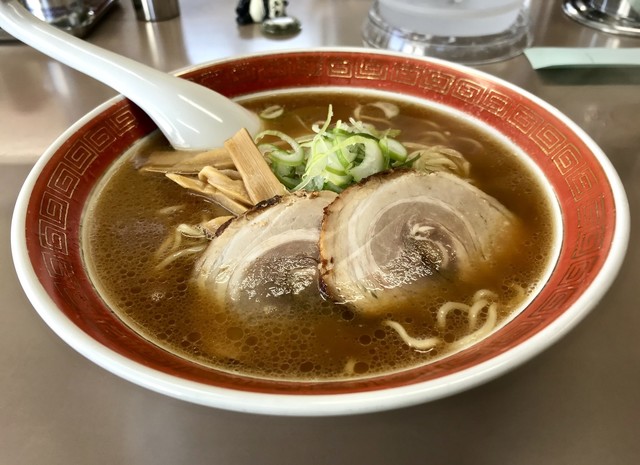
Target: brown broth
{"type": "Point", "coordinates": [313, 339]}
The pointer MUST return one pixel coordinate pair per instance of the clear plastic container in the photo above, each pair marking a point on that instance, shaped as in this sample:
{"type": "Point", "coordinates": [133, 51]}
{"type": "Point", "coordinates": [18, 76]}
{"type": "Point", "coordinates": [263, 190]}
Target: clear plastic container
{"type": "Point", "coordinates": [465, 31]}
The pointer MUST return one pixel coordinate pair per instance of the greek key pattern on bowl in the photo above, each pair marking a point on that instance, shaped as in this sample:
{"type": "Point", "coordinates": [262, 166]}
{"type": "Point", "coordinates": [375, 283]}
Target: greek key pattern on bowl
{"type": "Point", "coordinates": [581, 186]}
{"type": "Point", "coordinates": [56, 234]}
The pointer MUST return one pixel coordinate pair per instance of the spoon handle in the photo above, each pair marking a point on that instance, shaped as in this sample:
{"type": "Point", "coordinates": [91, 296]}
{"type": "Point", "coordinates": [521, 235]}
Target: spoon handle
{"type": "Point", "coordinates": [191, 116]}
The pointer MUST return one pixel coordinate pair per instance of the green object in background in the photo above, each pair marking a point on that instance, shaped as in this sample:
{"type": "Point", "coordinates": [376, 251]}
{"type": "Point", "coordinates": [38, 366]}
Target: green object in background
{"type": "Point", "coordinates": [567, 57]}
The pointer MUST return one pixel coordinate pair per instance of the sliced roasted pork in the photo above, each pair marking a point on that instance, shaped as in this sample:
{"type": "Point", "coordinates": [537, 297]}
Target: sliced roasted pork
{"type": "Point", "coordinates": [396, 233]}
{"type": "Point", "coordinates": [269, 253]}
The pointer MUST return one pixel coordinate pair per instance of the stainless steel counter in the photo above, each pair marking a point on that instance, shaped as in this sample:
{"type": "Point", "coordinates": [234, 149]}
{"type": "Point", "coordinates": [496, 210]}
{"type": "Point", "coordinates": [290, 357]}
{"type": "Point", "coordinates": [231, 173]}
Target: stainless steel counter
{"type": "Point", "coordinates": [577, 403]}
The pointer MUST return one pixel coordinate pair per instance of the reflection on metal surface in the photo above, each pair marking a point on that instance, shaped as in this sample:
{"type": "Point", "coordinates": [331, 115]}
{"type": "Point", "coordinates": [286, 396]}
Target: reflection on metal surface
{"type": "Point", "coordinates": [615, 17]}
{"type": "Point", "coordinates": [156, 10]}
{"type": "Point", "coordinates": [161, 41]}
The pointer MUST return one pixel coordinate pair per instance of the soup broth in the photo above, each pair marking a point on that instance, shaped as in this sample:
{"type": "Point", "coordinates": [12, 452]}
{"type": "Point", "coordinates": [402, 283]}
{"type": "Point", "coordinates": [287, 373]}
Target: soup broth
{"type": "Point", "coordinates": [309, 338]}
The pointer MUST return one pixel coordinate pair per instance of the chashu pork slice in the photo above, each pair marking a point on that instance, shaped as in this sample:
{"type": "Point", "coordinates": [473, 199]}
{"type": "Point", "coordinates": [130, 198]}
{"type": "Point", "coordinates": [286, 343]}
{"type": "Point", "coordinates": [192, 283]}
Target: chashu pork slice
{"type": "Point", "coordinates": [261, 259]}
{"type": "Point", "coordinates": [387, 238]}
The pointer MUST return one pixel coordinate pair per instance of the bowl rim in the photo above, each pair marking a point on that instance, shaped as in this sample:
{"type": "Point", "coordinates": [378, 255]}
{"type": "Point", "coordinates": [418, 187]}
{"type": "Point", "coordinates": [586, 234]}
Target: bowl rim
{"type": "Point", "coordinates": [321, 404]}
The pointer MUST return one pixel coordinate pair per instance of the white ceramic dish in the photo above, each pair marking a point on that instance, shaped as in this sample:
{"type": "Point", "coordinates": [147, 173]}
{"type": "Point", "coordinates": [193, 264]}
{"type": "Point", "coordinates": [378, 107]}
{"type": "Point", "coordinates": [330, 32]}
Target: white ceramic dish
{"type": "Point", "coordinates": [591, 201]}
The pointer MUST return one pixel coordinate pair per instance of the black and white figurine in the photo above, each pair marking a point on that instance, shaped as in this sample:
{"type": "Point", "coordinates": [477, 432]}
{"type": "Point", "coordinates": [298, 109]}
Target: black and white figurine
{"type": "Point", "coordinates": [257, 11]}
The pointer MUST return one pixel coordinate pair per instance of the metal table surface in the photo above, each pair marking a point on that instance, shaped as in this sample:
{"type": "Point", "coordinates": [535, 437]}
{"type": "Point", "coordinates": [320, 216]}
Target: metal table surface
{"type": "Point", "coordinates": [578, 402]}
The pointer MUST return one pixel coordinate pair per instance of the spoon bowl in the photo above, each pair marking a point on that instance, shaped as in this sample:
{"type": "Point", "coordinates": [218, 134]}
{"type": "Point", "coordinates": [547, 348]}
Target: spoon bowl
{"type": "Point", "coordinates": [190, 116]}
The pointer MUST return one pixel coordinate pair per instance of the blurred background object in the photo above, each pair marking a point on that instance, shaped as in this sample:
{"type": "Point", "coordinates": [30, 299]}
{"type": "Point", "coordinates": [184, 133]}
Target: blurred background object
{"type": "Point", "coordinates": [612, 16]}
{"type": "Point", "coordinates": [465, 31]}
{"type": "Point", "coordinates": [76, 17]}
{"type": "Point", "coordinates": [156, 10]}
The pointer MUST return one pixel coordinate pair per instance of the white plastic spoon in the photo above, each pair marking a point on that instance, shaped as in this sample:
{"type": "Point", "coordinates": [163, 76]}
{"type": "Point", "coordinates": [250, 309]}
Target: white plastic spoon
{"type": "Point", "coordinates": [191, 116]}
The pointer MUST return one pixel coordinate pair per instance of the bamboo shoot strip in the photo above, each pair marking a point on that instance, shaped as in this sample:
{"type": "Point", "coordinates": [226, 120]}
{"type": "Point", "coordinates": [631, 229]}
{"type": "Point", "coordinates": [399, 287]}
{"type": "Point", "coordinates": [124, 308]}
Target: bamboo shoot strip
{"type": "Point", "coordinates": [232, 188]}
{"type": "Point", "coordinates": [208, 191]}
{"type": "Point", "coordinates": [211, 227]}
{"type": "Point", "coordinates": [258, 178]}
{"type": "Point", "coordinates": [183, 162]}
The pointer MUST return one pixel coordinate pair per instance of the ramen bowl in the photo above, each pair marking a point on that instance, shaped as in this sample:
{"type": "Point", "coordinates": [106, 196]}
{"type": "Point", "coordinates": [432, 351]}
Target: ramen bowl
{"type": "Point", "coordinates": [589, 204]}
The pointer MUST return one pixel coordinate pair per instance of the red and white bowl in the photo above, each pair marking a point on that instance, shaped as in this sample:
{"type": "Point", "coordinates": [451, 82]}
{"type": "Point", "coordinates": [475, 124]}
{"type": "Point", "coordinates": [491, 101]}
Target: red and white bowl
{"type": "Point", "coordinates": [592, 207]}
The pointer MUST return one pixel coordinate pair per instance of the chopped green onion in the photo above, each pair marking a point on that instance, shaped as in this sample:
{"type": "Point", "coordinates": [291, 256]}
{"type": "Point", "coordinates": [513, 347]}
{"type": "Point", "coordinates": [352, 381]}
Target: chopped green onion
{"type": "Point", "coordinates": [395, 150]}
{"type": "Point", "coordinates": [372, 163]}
{"type": "Point", "coordinates": [334, 157]}
{"type": "Point", "coordinates": [291, 159]}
